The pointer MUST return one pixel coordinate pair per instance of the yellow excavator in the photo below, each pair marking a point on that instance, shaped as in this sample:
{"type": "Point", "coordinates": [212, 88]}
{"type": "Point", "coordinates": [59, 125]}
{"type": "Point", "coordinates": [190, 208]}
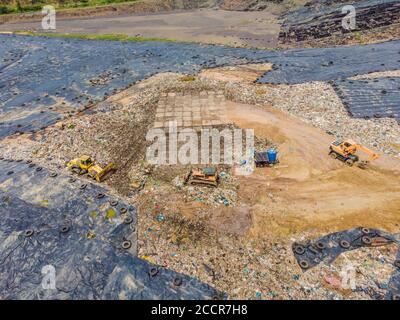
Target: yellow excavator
{"type": "Point", "coordinates": [345, 150]}
{"type": "Point", "coordinates": [87, 165]}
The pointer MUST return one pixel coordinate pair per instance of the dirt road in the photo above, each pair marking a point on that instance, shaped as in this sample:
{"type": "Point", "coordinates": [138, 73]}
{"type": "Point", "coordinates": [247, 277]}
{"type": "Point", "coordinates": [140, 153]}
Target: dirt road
{"type": "Point", "coordinates": [308, 190]}
{"type": "Point", "coordinates": [256, 29]}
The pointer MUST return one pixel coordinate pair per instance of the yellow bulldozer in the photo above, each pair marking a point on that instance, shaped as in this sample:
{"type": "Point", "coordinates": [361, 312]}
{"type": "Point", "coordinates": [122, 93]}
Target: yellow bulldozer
{"type": "Point", "coordinates": [206, 177]}
{"type": "Point", "coordinates": [345, 150]}
{"type": "Point", "coordinates": [87, 165]}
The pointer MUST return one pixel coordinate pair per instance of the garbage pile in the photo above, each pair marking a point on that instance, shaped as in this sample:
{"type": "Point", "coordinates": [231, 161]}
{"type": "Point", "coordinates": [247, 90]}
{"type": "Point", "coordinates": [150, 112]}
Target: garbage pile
{"type": "Point", "coordinates": [223, 193]}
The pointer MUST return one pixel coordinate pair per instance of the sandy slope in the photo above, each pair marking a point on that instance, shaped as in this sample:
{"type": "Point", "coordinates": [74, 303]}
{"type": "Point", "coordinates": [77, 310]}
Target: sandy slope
{"type": "Point", "coordinates": [308, 190]}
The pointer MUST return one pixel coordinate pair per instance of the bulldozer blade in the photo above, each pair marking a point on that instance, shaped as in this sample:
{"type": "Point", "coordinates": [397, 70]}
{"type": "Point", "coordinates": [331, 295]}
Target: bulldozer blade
{"type": "Point", "coordinates": [204, 183]}
{"type": "Point", "coordinates": [105, 172]}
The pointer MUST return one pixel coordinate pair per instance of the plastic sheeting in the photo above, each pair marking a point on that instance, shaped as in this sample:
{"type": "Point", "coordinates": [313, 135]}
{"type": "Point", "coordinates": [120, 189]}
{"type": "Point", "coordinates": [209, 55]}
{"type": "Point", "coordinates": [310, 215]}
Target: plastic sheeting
{"type": "Point", "coordinates": [304, 65]}
{"type": "Point", "coordinates": [45, 79]}
{"type": "Point", "coordinates": [86, 234]}
{"type": "Point", "coordinates": [374, 98]}
{"type": "Point", "coordinates": [327, 248]}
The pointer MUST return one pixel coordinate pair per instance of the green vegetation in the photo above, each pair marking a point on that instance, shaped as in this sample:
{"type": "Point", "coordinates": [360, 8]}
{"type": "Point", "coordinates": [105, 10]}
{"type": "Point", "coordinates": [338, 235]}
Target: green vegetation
{"type": "Point", "coordinates": [188, 78]}
{"type": "Point", "coordinates": [107, 37]}
{"type": "Point", "coordinates": [358, 36]}
{"type": "Point", "coordinates": [20, 6]}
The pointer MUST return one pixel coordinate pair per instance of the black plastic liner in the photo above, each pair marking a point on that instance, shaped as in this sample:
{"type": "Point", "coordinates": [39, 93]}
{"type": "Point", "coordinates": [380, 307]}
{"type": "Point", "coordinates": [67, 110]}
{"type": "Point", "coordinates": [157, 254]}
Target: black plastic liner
{"type": "Point", "coordinates": [374, 98]}
{"type": "Point", "coordinates": [86, 234]}
{"type": "Point", "coordinates": [305, 65]}
{"type": "Point", "coordinates": [43, 80]}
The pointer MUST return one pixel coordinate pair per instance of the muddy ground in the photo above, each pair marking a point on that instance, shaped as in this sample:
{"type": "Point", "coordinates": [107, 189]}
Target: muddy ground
{"type": "Point", "coordinates": [238, 236]}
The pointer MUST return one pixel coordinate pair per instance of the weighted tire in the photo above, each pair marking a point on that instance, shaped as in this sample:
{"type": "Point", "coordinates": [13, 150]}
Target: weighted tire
{"type": "Point", "coordinates": [76, 169]}
{"type": "Point", "coordinates": [333, 155]}
{"type": "Point", "coordinates": [92, 175]}
{"type": "Point", "coordinates": [349, 162]}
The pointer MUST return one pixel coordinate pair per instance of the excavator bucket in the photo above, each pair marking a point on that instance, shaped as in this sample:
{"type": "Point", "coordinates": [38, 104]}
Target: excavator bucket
{"type": "Point", "coordinates": [362, 164]}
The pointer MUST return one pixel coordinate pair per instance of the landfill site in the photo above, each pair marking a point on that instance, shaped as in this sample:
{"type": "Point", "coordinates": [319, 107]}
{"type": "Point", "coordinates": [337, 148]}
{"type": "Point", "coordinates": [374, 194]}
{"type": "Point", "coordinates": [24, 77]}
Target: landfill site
{"type": "Point", "coordinates": [313, 211]}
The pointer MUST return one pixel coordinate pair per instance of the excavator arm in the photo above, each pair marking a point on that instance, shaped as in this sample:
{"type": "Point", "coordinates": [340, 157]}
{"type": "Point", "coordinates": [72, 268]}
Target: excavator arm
{"type": "Point", "coordinates": [372, 155]}
{"type": "Point", "coordinates": [347, 150]}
